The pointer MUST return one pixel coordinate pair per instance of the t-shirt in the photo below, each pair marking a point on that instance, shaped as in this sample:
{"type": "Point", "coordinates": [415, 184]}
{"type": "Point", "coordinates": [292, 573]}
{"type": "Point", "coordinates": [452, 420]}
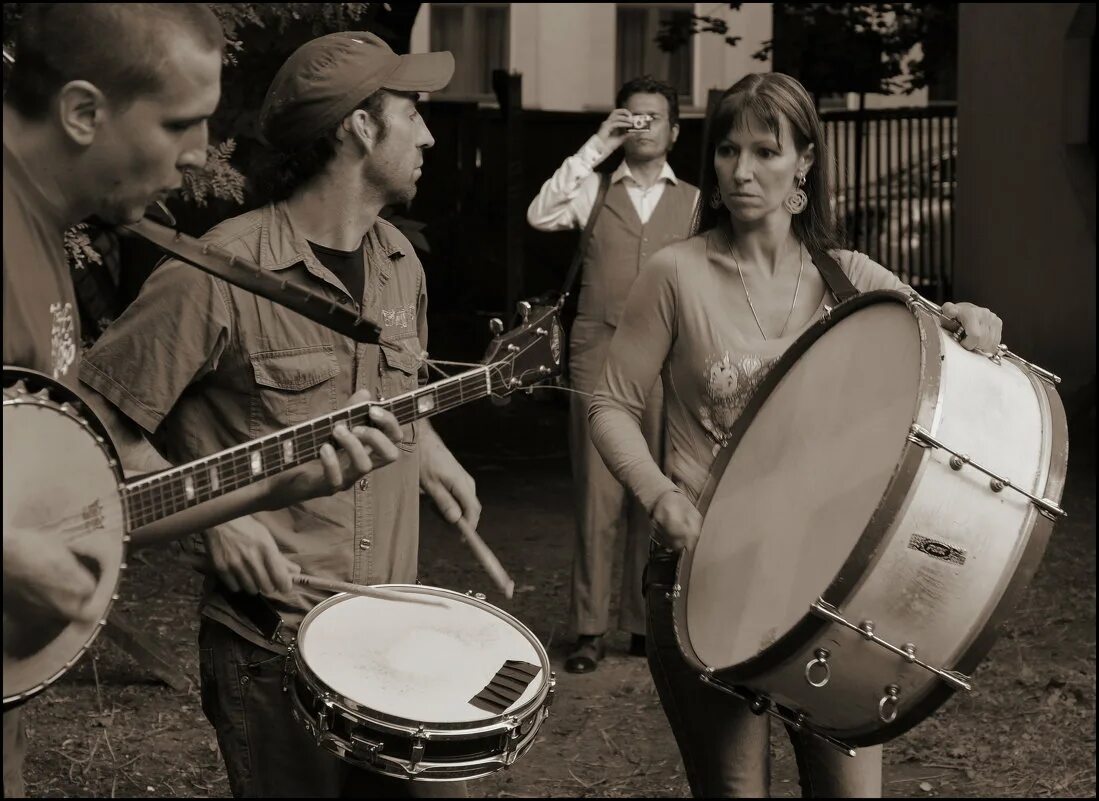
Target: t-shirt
{"type": "Point", "coordinates": [347, 265]}
{"type": "Point", "coordinates": [677, 325]}
{"type": "Point", "coordinates": [41, 321]}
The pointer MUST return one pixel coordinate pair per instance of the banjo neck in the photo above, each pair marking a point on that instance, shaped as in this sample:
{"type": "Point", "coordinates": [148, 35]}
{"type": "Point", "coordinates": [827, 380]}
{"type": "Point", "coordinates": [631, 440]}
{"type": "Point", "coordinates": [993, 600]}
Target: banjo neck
{"type": "Point", "coordinates": [161, 495]}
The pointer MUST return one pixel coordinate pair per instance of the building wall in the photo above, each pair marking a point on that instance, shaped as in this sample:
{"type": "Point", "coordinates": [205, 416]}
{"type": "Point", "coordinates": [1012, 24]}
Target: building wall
{"type": "Point", "coordinates": [1025, 245]}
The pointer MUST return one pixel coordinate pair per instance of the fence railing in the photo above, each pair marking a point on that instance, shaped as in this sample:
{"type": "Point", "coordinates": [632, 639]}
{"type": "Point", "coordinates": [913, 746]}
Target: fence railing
{"type": "Point", "coordinates": [895, 188]}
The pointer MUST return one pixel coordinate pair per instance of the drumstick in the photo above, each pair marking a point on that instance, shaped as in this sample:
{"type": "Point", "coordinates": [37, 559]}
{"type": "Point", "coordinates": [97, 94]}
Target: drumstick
{"type": "Point", "coordinates": [487, 558]}
{"type": "Point", "coordinates": [331, 585]}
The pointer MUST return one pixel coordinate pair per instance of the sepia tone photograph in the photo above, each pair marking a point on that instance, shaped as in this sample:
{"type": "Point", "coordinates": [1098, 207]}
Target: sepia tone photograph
{"type": "Point", "coordinates": [572, 400]}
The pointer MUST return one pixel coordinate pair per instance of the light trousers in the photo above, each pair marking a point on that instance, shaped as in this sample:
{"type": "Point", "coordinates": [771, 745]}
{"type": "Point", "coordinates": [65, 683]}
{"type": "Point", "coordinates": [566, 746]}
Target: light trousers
{"type": "Point", "coordinates": [604, 509]}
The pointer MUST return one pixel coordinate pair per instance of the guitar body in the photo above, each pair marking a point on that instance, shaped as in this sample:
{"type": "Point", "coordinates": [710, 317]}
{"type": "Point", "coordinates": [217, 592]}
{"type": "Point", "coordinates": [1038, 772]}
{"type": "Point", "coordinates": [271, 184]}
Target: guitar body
{"type": "Point", "coordinates": [61, 479]}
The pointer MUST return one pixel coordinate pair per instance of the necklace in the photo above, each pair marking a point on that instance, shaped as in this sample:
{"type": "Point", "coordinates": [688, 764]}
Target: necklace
{"type": "Point", "coordinates": [797, 287]}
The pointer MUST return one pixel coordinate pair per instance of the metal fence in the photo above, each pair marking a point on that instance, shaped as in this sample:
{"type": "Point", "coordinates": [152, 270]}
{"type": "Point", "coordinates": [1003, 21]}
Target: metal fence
{"type": "Point", "coordinates": [895, 184]}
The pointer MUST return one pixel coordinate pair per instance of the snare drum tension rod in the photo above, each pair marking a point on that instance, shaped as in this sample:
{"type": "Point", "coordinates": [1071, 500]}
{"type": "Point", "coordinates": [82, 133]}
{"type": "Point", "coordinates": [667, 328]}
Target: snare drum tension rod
{"type": "Point", "coordinates": [922, 437]}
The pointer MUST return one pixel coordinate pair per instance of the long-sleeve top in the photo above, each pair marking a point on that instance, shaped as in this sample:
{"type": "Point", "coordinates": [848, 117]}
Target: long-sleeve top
{"type": "Point", "coordinates": [676, 324]}
{"type": "Point", "coordinates": [567, 198]}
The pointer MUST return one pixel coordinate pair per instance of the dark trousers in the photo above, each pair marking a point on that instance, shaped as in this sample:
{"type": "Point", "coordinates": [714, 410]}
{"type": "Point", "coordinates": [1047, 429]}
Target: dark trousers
{"type": "Point", "coordinates": [725, 746]}
{"type": "Point", "coordinates": [267, 753]}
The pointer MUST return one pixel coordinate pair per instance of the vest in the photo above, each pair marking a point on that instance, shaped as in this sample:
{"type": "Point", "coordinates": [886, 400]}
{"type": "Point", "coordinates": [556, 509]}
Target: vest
{"type": "Point", "coordinates": [620, 244]}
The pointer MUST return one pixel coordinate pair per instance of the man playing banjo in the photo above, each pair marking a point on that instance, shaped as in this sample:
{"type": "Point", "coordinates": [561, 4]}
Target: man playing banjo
{"type": "Point", "coordinates": [106, 107]}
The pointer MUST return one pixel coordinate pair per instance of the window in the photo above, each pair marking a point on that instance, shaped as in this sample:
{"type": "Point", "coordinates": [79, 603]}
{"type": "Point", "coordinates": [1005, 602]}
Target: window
{"type": "Point", "coordinates": [639, 54]}
{"type": "Point", "coordinates": [477, 34]}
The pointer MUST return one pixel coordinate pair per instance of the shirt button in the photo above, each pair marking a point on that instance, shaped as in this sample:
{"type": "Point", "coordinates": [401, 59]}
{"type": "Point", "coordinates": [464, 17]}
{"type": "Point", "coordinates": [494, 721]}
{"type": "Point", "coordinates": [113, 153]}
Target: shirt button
{"type": "Point", "coordinates": [364, 543]}
{"type": "Point", "coordinates": [645, 239]}
{"type": "Point", "coordinates": [363, 483]}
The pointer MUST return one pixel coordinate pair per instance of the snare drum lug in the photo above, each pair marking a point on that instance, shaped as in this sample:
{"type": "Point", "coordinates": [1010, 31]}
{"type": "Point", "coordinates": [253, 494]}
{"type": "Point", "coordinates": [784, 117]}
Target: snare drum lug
{"type": "Point", "coordinates": [417, 753]}
{"type": "Point", "coordinates": [867, 629]}
{"type": "Point", "coordinates": [370, 748]}
{"type": "Point", "coordinates": [909, 649]}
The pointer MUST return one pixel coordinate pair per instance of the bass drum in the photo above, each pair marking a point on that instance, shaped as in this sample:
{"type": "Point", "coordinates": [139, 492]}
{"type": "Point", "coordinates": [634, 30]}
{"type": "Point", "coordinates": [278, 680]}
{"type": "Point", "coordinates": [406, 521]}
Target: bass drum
{"type": "Point", "coordinates": [881, 505]}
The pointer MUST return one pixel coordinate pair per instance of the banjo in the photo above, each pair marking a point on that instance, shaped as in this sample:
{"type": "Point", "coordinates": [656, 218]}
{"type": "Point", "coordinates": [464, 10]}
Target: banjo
{"type": "Point", "coordinates": [94, 514]}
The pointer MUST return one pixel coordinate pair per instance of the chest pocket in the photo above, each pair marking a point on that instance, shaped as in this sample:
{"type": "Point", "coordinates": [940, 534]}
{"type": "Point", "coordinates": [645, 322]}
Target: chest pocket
{"type": "Point", "coordinates": [292, 386]}
{"type": "Point", "coordinates": [400, 366]}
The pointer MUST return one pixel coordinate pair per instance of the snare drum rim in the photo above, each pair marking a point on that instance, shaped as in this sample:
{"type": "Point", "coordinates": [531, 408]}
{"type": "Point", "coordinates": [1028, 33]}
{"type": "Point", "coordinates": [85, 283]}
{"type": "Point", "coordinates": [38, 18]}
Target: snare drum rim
{"type": "Point", "coordinates": [881, 521]}
{"type": "Point", "coordinates": [408, 726]}
{"type": "Point", "coordinates": [60, 394]}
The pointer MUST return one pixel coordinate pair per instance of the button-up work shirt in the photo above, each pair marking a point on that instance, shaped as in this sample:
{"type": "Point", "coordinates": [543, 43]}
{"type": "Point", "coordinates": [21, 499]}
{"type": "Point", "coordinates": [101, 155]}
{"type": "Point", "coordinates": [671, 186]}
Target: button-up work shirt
{"type": "Point", "coordinates": [202, 365]}
{"type": "Point", "coordinates": [567, 198]}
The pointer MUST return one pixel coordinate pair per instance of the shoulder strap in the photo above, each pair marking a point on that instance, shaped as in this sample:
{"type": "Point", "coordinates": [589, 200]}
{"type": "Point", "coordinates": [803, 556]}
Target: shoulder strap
{"type": "Point", "coordinates": [585, 237]}
{"type": "Point", "coordinates": [838, 283]}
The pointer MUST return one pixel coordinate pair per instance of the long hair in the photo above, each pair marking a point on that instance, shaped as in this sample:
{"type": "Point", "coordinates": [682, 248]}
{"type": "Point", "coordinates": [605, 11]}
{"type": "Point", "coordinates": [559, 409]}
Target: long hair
{"type": "Point", "coordinates": [772, 97]}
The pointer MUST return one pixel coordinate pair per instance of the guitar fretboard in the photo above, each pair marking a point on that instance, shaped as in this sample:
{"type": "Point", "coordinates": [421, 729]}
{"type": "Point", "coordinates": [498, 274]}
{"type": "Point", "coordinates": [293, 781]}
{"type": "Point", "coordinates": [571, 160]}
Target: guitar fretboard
{"type": "Point", "coordinates": [154, 497]}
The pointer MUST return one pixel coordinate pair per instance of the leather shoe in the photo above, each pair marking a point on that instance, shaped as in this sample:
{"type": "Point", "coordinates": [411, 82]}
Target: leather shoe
{"type": "Point", "coordinates": [637, 645]}
{"type": "Point", "coordinates": [585, 657]}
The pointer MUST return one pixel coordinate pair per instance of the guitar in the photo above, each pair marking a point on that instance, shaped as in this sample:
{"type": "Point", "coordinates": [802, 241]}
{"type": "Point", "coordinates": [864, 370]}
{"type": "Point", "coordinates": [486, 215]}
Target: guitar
{"type": "Point", "coordinates": [88, 502]}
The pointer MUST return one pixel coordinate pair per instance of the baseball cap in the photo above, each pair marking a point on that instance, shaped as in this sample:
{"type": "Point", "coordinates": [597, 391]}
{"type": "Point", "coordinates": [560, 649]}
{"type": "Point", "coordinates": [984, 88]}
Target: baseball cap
{"type": "Point", "coordinates": [324, 79]}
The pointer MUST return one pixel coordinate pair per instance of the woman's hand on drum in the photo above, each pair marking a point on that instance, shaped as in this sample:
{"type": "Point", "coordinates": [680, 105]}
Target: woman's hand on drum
{"type": "Point", "coordinates": [982, 327]}
{"type": "Point", "coordinates": [676, 521]}
{"type": "Point", "coordinates": [246, 558]}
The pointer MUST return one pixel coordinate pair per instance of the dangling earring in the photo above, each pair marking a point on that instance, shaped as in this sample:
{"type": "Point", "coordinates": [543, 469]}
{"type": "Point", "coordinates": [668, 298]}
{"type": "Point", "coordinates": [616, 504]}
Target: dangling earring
{"type": "Point", "coordinates": [716, 200]}
{"type": "Point", "coordinates": [797, 200]}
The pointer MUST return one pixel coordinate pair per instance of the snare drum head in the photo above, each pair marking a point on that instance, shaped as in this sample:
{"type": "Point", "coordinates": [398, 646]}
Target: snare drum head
{"type": "Point", "coordinates": [417, 662]}
{"type": "Point", "coordinates": [802, 484]}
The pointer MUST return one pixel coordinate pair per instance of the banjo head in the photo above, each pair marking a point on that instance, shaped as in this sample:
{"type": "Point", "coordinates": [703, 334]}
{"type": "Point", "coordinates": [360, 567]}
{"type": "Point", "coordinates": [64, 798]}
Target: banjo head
{"type": "Point", "coordinates": [59, 482]}
{"type": "Point", "coordinates": [801, 485]}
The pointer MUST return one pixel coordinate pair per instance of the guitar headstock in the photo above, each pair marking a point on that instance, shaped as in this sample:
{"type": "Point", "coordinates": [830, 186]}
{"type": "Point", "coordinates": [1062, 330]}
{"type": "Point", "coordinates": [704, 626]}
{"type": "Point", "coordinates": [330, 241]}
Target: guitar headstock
{"type": "Point", "coordinates": [529, 353]}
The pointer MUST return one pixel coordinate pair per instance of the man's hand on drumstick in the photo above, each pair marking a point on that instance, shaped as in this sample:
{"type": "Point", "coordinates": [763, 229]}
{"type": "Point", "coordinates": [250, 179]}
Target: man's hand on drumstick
{"type": "Point", "coordinates": [451, 488]}
{"type": "Point", "coordinates": [677, 522]}
{"type": "Point", "coordinates": [360, 450]}
{"type": "Point", "coordinates": [982, 327]}
{"type": "Point", "coordinates": [246, 558]}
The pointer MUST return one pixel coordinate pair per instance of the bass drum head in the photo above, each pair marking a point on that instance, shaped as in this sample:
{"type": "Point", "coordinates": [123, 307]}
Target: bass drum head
{"type": "Point", "coordinates": [802, 484]}
{"type": "Point", "coordinates": [415, 662]}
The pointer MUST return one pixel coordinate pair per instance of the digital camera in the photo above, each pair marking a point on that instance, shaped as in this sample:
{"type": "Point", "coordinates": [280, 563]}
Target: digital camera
{"type": "Point", "coordinates": [641, 122]}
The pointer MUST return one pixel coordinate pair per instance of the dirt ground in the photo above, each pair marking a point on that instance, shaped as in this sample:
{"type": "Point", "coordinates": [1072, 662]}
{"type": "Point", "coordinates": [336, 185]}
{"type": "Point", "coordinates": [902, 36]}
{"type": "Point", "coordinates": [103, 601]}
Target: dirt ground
{"type": "Point", "coordinates": [1027, 729]}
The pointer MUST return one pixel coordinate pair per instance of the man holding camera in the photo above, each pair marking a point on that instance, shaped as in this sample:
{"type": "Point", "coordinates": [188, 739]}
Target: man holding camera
{"type": "Point", "coordinates": [626, 216]}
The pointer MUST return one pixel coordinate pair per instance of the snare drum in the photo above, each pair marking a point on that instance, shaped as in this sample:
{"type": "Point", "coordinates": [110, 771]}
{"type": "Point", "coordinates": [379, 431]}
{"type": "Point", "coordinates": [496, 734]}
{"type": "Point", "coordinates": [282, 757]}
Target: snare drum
{"type": "Point", "coordinates": [445, 692]}
{"type": "Point", "coordinates": [883, 501]}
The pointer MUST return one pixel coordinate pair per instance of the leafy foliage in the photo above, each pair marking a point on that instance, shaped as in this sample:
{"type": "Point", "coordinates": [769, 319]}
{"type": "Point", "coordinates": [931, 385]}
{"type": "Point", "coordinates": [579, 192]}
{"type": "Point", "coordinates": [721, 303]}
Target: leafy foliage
{"type": "Point", "coordinates": [841, 47]}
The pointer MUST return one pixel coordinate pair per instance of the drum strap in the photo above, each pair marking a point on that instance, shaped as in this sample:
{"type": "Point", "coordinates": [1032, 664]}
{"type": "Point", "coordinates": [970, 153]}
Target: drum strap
{"type": "Point", "coordinates": [838, 283]}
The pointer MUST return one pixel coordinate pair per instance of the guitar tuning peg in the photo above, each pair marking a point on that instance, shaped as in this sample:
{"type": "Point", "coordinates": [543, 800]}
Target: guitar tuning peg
{"type": "Point", "coordinates": [524, 309]}
{"type": "Point", "coordinates": [496, 326]}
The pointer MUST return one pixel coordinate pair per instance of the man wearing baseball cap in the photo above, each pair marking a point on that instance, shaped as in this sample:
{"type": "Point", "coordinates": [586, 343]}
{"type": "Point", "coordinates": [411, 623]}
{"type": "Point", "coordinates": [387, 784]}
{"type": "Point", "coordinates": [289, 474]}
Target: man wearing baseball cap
{"type": "Point", "coordinates": [347, 141]}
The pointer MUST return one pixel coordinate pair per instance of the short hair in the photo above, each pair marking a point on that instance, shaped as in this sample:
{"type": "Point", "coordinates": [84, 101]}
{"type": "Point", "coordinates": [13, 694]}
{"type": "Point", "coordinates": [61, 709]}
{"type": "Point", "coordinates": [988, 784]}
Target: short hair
{"type": "Point", "coordinates": [648, 85]}
{"type": "Point", "coordinates": [771, 97]}
{"type": "Point", "coordinates": [119, 47]}
{"type": "Point", "coordinates": [281, 173]}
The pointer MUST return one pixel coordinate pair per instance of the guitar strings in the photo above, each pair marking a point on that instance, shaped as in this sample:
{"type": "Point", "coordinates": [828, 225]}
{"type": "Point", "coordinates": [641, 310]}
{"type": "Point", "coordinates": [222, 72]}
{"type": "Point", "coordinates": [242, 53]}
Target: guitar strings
{"type": "Point", "coordinates": [146, 500]}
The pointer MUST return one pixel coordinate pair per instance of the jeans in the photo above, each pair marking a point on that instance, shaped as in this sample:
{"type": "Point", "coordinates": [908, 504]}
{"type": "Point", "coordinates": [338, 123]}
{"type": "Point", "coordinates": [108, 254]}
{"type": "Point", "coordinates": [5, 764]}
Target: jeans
{"type": "Point", "coordinates": [725, 746]}
{"type": "Point", "coordinates": [267, 753]}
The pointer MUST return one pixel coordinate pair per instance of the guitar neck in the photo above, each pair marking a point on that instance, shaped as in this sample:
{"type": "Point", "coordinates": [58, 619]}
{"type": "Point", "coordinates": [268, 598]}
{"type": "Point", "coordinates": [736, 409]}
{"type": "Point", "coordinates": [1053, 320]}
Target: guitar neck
{"type": "Point", "coordinates": [163, 494]}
